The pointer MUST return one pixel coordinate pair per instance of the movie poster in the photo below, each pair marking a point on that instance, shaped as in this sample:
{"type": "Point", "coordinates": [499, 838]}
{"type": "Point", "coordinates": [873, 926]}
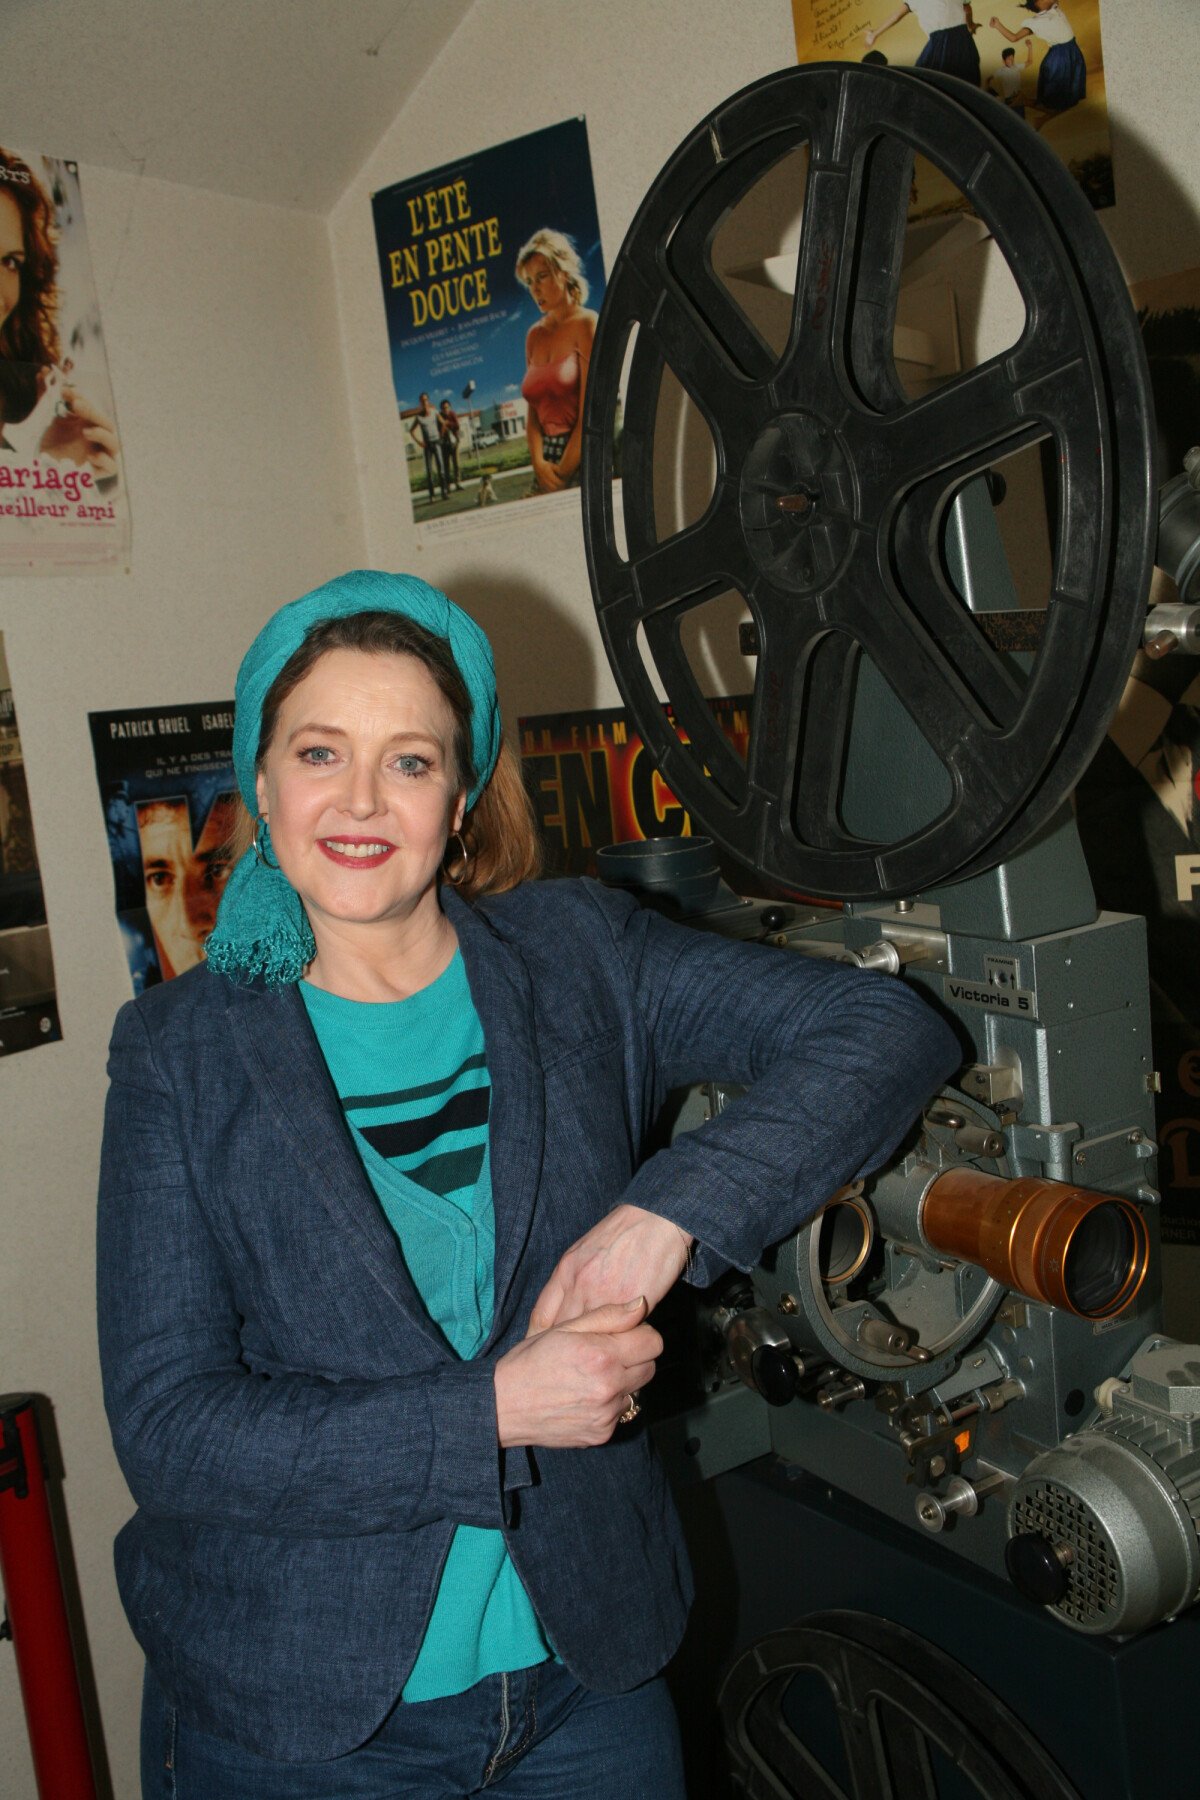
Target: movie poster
{"type": "Point", "coordinates": [62, 492]}
{"type": "Point", "coordinates": [1041, 58]}
{"type": "Point", "coordinates": [1138, 806]}
{"type": "Point", "coordinates": [169, 799]}
{"type": "Point", "coordinates": [488, 368]}
{"type": "Point", "coordinates": [592, 781]}
{"type": "Point", "coordinates": [28, 1006]}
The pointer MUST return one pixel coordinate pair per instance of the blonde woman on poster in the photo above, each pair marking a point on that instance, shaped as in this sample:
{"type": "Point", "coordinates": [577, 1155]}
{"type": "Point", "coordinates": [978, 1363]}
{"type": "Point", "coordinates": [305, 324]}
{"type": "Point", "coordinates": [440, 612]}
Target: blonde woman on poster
{"type": "Point", "coordinates": [33, 389]}
{"type": "Point", "coordinates": [950, 28]}
{"type": "Point", "coordinates": [1062, 78]}
{"type": "Point", "coordinates": [557, 352]}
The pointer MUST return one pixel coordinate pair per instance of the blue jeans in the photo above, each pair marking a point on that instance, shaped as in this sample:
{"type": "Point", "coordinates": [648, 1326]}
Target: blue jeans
{"type": "Point", "coordinates": [531, 1735]}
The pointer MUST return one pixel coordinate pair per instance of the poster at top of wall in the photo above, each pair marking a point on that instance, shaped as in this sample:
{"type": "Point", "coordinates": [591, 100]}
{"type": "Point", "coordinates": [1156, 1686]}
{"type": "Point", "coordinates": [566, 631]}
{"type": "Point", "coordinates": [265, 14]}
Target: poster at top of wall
{"type": "Point", "coordinates": [170, 804]}
{"type": "Point", "coordinates": [1040, 58]}
{"type": "Point", "coordinates": [488, 364]}
{"type": "Point", "coordinates": [28, 1003]}
{"type": "Point", "coordinates": [62, 491]}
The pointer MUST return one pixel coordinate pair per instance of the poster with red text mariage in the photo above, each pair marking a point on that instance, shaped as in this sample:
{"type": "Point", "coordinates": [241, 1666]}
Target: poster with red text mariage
{"type": "Point", "coordinates": [62, 489]}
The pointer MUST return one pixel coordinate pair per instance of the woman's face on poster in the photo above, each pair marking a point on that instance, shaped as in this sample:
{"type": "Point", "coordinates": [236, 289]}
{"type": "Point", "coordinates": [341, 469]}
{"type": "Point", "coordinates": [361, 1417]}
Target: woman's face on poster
{"type": "Point", "coordinates": [184, 881]}
{"type": "Point", "coordinates": [545, 282]}
{"type": "Point", "coordinates": [12, 254]}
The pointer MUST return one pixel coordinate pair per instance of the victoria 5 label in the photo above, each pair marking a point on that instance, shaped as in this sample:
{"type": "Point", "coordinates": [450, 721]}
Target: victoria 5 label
{"type": "Point", "coordinates": [1020, 1001]}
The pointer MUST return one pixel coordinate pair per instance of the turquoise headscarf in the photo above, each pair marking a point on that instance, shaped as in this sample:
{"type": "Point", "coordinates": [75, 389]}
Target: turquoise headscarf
{"type": "Point", "coordinates": [262, 929]}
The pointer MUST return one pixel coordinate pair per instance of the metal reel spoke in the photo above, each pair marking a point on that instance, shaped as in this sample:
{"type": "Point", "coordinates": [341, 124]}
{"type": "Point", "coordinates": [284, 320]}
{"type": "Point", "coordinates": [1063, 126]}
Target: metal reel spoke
{"type": "Point", "coordinates": [898, 1707]}
{"type": "Point", "coordinates": [688, 259]}
{"type": "Point", "coordinates": [875, 282]}
{"type": "Point", "coordinates": [824, 736]}
{"type": "Point", "coordinates": [781, 1764]}
{"type": "Point", "coordinates": [703, 365]}
{"type": "Point", "coordinates": [971, 419]}
{"type": "Point", "coordinates": [993, 688]}
{"type": "Point", "coordinates": [667, 572]}
{"type": "Point", "coordinates": [813, 374]}
{"type": "Point", "coordinates": [834, 488]}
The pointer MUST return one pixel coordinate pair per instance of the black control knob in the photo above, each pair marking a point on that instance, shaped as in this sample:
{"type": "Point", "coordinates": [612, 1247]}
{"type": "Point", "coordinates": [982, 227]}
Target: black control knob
{"type": "Point", "coordinates": [1037, 1568]}
{"type": "Point", "coordinates": [775, 1373]}
{"type": "Point", "coordinates": [774, 918]}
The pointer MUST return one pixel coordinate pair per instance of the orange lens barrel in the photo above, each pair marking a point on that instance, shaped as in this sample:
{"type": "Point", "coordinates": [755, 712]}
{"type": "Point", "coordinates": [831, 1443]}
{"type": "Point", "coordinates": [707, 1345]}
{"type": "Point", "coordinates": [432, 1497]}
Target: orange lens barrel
{"type": "Point", "coordinates": [1066, 1246]}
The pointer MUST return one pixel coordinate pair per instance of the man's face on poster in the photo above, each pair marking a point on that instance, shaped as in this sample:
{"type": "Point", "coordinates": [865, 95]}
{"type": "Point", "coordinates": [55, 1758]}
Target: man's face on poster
{"type": "Point", "coordinates": [184, 880]}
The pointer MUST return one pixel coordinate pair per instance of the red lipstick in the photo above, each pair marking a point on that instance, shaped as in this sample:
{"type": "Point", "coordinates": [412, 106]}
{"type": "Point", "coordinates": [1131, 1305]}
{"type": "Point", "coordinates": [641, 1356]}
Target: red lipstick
{"type": "Point", "coordinates": [361, 852]}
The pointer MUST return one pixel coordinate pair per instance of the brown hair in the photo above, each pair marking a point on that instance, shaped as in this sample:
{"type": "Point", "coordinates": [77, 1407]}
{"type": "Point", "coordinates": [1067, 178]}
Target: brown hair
{"type": "Point", "coordinates": [501, 839]}
{"type": "Point", "coordinates": [29, 335]}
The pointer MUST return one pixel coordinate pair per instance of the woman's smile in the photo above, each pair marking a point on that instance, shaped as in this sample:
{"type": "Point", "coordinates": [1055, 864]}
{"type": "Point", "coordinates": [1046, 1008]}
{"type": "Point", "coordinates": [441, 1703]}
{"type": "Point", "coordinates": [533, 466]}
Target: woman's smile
{"type": "Point", "coordinates": [366, 852]}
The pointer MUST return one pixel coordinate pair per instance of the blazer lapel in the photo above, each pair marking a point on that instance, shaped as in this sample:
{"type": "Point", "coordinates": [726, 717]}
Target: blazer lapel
{"type": "Point", "coordinates": [277, 1043]}
{"type": "Point", "coordinates": [503, 996]}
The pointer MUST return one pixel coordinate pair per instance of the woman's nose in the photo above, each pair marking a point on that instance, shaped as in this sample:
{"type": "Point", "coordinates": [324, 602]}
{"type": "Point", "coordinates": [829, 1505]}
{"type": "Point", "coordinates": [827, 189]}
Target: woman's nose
{"type": "Point", "coordinates": [362, 791]}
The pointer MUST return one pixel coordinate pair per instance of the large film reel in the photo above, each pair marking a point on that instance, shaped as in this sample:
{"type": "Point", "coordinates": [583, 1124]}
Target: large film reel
{"type": "Point", "coordinates": [833, 486]}
{"type": "Point", "coordinates": [850, 1704]}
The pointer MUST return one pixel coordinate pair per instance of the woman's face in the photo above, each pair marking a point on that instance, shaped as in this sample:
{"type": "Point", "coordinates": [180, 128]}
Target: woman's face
{"type": "Point", "coordinates": [12, 254]}
{"type": "Point", "coordinates": [360, 789]}
{"type": "Point", "coordinates": [545, 283]}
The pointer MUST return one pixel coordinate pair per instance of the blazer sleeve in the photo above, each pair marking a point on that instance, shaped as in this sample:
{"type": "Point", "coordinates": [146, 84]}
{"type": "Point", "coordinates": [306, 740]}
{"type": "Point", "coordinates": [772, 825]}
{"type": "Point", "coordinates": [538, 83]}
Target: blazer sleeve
{"type": "Point", "coordinates": [837, 1063]}
{"type": "Point", "coordinates": [199, 1436]}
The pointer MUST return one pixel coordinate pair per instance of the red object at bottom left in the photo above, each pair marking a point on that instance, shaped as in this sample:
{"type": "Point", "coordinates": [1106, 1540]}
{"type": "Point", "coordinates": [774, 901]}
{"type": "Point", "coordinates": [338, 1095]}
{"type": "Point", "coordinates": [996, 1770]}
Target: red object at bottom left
{"type": "Point", "coordinates": [37, 1613]}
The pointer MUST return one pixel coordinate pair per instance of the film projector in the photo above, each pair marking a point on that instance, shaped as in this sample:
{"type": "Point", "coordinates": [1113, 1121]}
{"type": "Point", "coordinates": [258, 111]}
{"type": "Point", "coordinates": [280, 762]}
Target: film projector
{"type": "Point", "coordinates": [975, 1485]}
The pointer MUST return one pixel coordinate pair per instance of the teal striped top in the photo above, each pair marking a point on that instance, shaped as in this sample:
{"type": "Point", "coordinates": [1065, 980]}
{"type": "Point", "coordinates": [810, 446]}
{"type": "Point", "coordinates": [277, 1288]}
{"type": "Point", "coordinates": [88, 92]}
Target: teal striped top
{"type": "Point", "coordinates": [413, 1082]}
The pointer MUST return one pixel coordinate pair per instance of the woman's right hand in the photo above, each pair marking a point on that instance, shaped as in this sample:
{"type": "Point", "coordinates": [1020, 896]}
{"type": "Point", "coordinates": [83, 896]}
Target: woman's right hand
{"type": "Point", "coordinates": [565, 1388]}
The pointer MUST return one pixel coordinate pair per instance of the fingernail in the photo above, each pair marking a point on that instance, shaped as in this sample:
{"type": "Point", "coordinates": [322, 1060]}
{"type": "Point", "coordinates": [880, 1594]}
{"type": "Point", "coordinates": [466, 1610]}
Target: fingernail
{"type": "Point", "coordinates": [640, 1301]}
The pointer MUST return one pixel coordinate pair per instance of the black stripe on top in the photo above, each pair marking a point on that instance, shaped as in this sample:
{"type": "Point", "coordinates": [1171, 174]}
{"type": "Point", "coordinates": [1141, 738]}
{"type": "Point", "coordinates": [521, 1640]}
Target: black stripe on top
{"type": "Point", "coordinates": [361, 1102]}
{"type": "Point", "coordinates": [462, 1112]}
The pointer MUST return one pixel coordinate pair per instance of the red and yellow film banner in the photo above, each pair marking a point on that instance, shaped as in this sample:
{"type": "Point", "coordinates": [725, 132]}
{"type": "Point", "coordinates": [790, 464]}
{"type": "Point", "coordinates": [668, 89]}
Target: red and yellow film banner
{"type": "Point", "coordinates": [592, 781]}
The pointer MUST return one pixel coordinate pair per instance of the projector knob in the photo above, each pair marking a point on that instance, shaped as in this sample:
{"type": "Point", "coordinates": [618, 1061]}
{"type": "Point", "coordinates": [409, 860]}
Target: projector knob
{"type": "Point", "coordinates": [775, 1374]}
{"type": "Point", "coordinates": [1037, 1568]}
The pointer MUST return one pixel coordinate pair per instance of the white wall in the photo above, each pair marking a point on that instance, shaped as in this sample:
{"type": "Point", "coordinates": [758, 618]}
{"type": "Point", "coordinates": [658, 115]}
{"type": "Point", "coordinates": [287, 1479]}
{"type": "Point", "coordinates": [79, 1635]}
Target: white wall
{"type": "Point", "coordinates": [263, 454]}
{"type": "Point", "coordinates": [224, 356]}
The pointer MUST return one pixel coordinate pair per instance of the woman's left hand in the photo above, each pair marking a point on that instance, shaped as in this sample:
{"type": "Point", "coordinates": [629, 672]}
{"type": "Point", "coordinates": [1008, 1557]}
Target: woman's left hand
{"type": "Point", "coordinates": [630, 1252]}
{"type": "Point", "coordinates": [82, 435]}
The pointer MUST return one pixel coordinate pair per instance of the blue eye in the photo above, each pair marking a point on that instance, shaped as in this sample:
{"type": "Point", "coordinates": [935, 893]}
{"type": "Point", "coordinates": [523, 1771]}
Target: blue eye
{"type": "Point", "coordinates": [412, 765]}
{"type": "Point", "coordinates": [317, 755]}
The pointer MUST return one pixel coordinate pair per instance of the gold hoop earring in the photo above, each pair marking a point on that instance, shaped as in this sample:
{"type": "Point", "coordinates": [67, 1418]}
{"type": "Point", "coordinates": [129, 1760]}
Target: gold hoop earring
{"type": "Point", "coordinates": [454, 876]}
{"type": "Point", "coordinates": [260, 854]}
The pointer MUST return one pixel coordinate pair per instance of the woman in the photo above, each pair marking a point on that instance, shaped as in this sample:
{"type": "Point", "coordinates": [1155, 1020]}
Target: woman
{"type": "Point", "coordinates": [62, 424]}
{"type": "Point", "coordinates": [1062, 77]}
{"type": "Point", "coordinates": [378, 1244]}
{"type": "Point", "coordinates": [557, 352]}
{"type": "Point", "coordinates": [949, 26]}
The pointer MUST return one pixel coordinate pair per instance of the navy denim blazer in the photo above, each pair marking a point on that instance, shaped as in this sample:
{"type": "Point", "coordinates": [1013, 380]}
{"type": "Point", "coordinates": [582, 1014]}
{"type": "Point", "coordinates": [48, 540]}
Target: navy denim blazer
{"type": "Point", "coordinates": [298, 1437]}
